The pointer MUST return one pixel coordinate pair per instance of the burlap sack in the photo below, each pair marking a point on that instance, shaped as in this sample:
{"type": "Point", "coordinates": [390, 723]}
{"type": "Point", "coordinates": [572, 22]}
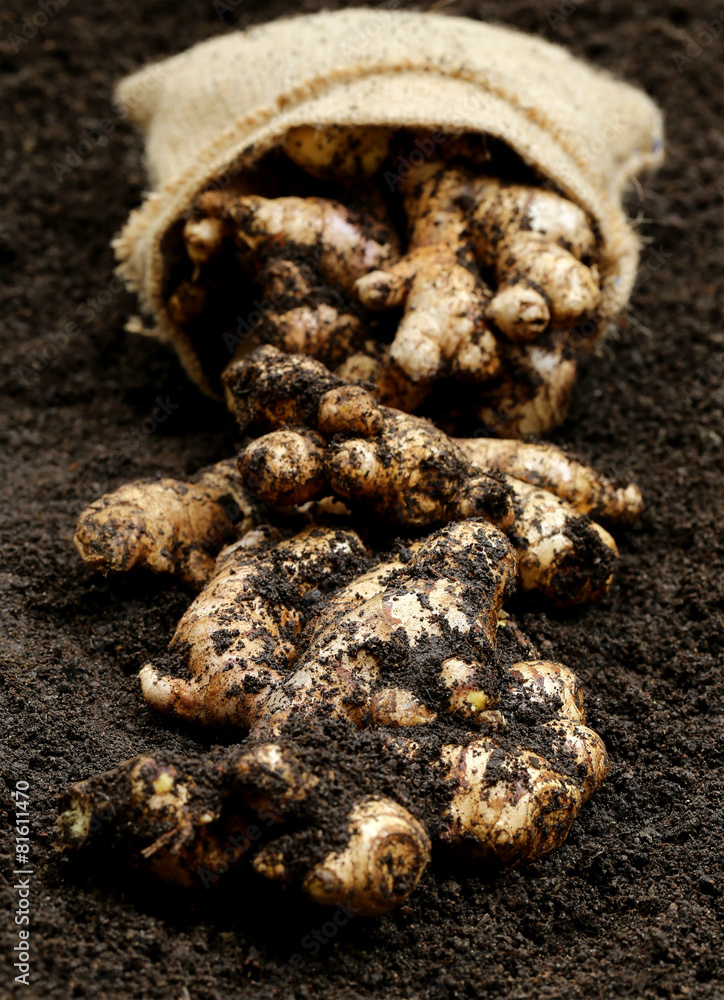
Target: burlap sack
{"type": "Point", "coordinates": [227, 101]}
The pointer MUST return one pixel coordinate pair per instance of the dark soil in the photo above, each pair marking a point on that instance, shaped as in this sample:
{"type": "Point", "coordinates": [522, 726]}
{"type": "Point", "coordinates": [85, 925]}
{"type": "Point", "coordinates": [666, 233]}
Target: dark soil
{"type": "Point", "coordinates": [632, 904]}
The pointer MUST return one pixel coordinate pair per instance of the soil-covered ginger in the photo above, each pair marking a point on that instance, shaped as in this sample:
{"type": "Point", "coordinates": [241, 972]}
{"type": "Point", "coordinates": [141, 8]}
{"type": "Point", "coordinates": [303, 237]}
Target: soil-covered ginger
{"type": "Point", "coordinates": [386, 700]}
{"type": "Point", "coordinates": [446, 726]}
{"type": "Point", "coordinates": [474, 265]}
{"type": "Point", "coordinates": [321, 436]}
{"type": "Point", "coordinates": [326, 436]}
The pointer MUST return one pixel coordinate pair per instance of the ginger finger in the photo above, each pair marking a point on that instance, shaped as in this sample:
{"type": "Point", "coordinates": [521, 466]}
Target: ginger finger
{"type": "Point", "coordinates": [550, 685]}
{"type": "Point", "coordinates": [565, 557]}
{"type": "Point", "coordinates": [204, 239]}
{"type": "Point", "coordinates": [167, 817]}
{"type": "Point", "coordinates": [315, 232]}
{"type": "Point", "coordinates": [289, 469]}
{"type": "Point", "coordinates": [304, 253]}
{"type": "Point", "coordinates": [337, 152]}
{"type": "Point", "coordinates": [273, 780]}
{"type": "Point", "coordinates": [167, 525]}
{"type": "Point", "coordinates": [392, 387]}
{"type": "Point", "coordinates": [504, 805]}
{"type": "Point", "coordinates": [585, 748]}
{"type": "Point", "coordinates": [272, 390]}
{"type": "Point", "coordinates": [533, 687]}
{"type": "Point", "coordinates": [568, 287]}
{"type": "Point", "coordinates": [302, 313]}
{"type": "Point", "coordinates": [443, 329]}
{"type": "Point", "coordinates": [432, 625]}
{"type": "Point", "coordinates": [535, 240]}
{"type": "Point", "coordinates": [413, 474]}
{"type": "Point", "coordinates": [208, 227]}
{"type": "Point", "coordinates": [533, 393]}
{"type": "Point", "coordinates": [519, 311]}
{"type": "Point", "coordinates": [551, 468]}
{"type": "Point", "coordinates": [387, 853]}
{"type": "Point", "coordinates": [238, 637]}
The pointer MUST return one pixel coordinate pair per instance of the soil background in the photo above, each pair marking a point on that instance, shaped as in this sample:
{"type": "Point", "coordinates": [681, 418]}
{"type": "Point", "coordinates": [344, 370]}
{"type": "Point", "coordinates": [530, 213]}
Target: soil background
{"type": "Point", "coordinates": [631, 905]}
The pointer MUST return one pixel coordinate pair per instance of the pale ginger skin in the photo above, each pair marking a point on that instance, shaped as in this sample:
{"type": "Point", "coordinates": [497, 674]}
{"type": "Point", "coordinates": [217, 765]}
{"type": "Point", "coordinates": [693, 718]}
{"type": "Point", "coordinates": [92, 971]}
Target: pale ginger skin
{"type": "Point", "coordinates": [552, 469]}
{"type": "Point", "coordinates": [338, 152]}
{"type": "Point", "coordinates": [443, 329]}
{"type": "Point", "coordinates": [310, 255]}
{"type": "Point", "coordinates": [529, 397]}
{"type": "Point", "coordinates": [303, 252]}
{"type": "Point", "coordinates": [406, 470]}
{"type": "Point", "coordinates": [444, 601]}
{"type": "Point", "coordinates": [191, 834]}
{"type": "Point", "coordinates": [533, 239]}
{"type": "Point", "coordinates": [167, 525]}
{"type": "Point", "coordinates": [179, 528]}
{"type": "Point", "coordinates": [387, 853]}
{"type": "Point", "coordinates": [498, 799]}
{"type": "Point", "coordinates": [239, 636]}
{"type": "Point", "coordinates": [533, 392]}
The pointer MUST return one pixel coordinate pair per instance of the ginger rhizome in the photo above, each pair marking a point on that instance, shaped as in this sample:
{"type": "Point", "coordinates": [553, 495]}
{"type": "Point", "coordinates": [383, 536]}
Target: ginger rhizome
{"type": "Point", "coordinates": [443, 328]}
{"type": "Point", "coordinates": [327, 436]}
{"type": "Point", "coordinates": [167, 525]}
{"type": "Point", "coordinates": [535, 492]}
{"type": "Point", "coordinates": [415, 652]}
{"type": "Point", "coordinates": [483, 264]}
{"type": "Point", "coordinates": [532, 239]}
{"type": "Point", "coordinates": [305, 254]}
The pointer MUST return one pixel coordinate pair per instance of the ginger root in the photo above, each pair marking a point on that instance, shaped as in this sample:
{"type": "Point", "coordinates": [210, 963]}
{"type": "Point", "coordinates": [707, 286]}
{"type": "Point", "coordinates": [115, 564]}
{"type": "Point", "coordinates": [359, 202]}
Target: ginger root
{"type": "Point", "coordinates": [238, 637]}
{"type": "Point", "coordinates": [253, 663]}
{"type": "Point", "coordinates": [167, 816]}
{"type": "Point", "coordinates": [495, 797]}
{"type": "Point", "coordinates": [327, 436]}
{"type": "Point", "coordinates": [533, 392]}
{"type": "Point", "coordinates": [381, 866]}
{"type": "Point", "coordinates": [338, 152]}
{"type": "Point", "coordinates": [535, 241]}
{"type": "Point", "coordinates": [189, 822]}
{"type": "Point", "coordinates": [304, 253]}
{"type": "Point", "coordinates": [552, 469]}
{"type": "Point", "coordinates": [406, 470]}
{"type": "Point", "coordinates": [167, 525]}
{"type": "Point", "coordinates": [443, 329]}
{"type": "Point", "coordinates": [532, 239]}
{"type": "Point", "coordinates": [325, 270]}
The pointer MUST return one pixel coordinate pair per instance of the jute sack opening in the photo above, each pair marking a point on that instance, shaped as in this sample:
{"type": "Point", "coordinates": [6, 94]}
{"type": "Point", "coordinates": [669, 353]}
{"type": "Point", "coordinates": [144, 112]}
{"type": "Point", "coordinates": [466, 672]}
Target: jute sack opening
{"type": "Point", "coordinates": [220, 106]}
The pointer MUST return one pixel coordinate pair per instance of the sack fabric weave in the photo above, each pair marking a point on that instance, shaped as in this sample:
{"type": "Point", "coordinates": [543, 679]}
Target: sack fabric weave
{"type": "Point", "coordinates": [221, 105]}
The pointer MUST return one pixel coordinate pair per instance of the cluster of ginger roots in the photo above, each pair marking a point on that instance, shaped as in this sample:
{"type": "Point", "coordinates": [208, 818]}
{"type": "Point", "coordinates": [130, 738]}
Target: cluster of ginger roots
{"type": "Point", "coordinates": [352, 565]}
{"type": "Point", "coordinates": [489, 283]}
